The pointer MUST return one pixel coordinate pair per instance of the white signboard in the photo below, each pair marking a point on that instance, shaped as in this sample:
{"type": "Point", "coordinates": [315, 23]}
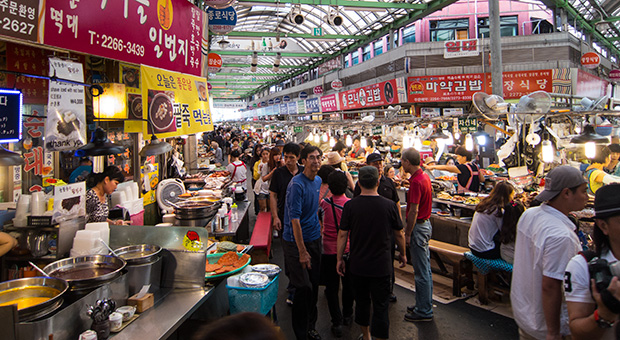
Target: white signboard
{"type": "Point", "coordinates": [452, 111]}
{"type": "Point", "coordinates": [221, 104]}
{"type": "Point", "coordinates": [429, 112]}
{"type": "Point", "coordinates": [461, 48]}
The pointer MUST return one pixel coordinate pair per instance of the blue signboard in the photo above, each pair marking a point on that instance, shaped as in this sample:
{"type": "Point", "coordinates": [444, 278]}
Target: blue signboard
{"type": "Point", "coordinates": [284, 109]}
{"type": "Point", "coordinates": [286, 99]}
{"type": "Point", "coordinates": [270, 101]}
{"type": "Point", "coordinates": [10, 115]}
{"type": "Point", "coordinates": [263, 104]}
{"type": "Point", "coordinates": [222, 20]}
{"type": "Point", "coordinates": [277, 101]}
{"type": "Point", "coordinates": [292, 108]}
{"type": "Point", "coordinates": [312, 105]}
{"type": "Point", "coordinates": [303, 95]}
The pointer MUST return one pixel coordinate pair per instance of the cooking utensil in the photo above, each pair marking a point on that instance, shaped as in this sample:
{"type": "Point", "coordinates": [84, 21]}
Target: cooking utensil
{"type": "Point", "coordinates": [107, 246]}
{"type": "Point", "coordinates": [38, 269]}
{"type": "Point", "coordinates": [87, 272]}
{"type": "Point", "coordinates": [34, 287]}
{"type": "Point", "coordinates": [172, 204]}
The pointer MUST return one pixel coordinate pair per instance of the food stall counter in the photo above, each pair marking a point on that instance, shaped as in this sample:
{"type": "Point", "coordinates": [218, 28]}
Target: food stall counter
{"type": "Point", "coordinates": [238, 229]}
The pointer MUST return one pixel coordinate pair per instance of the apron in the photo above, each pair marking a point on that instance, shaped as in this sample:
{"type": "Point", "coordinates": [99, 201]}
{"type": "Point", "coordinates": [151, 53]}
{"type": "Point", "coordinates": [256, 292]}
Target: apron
{"type": "Point", "coordinates": [235, 171]}
{"type": "Point", "coordinates": [463, 189]}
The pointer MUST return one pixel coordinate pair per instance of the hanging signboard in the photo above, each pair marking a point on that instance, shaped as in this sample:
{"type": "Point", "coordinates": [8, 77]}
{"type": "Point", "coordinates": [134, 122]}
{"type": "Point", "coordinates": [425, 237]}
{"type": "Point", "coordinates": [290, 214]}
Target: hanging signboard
{"type": "Point", "coordinates": [173, 103]}
{"type": "Point", "coordinates": [336, 84]}
{"type": "Point", "coordinates": [430, 112]}
{"type": "Point", "coordinates": [317, 90]}
{"type": "Point", "coordinates": [461, 87]}
{"type": "Point", "coordinates": [270, 102]}
{"type": "Point", "coordinates": [461, 48]}
{"type": "Point", "coordinates": [329, 66]}
{"type": "Point", "coordinates": [313, 105]}
{"type": "Point", "coordinates": [292, 108]}
{"type": "Point", "coordinates": [277, 101]}
{"type": "Point", "coordinates": [19, 58]}
{"type": "Point", "coordinates": [301, 107]}
{"type": "Point", "coordinates": [65, 128]}
{"type": "Point", "coordinates": [589, 85]}
{"type": "Point", "coordinates": [11, 102]}
{"type": "Point", "coordinates": [214, 62]}
{"type": "Point", "coordinates": [614, 75]}
{"type": "Point", "coordinates": [286, 99]}
{"type": "Point", "coordinates": [303, 95]}
{"type": "Point", "coordinates": [452, 111]}
{"type": "Point", "coordinates": [222, 21]}
{"type": "Point", "coordinates": [590, 60]}
{"type": "Point", "coordinates": [329, 103]}
{"type": "Point", "coordinates": [164, 33]}
{"type": "Point", "coordinates": [468, 125]}
{"type": "Point", "coordinates": [34, 154]}
{"type": "Point", "coordinates": [20, 22]}
{"type": "Point", "coordinates": [283, 108]}
{"type": "Point", "coordinates": [368, 96]}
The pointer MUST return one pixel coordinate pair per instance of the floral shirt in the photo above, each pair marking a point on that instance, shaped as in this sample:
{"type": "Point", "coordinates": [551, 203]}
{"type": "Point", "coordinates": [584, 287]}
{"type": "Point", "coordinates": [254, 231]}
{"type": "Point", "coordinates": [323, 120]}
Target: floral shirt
{"type": "Point", "coordinates": [96, 211]}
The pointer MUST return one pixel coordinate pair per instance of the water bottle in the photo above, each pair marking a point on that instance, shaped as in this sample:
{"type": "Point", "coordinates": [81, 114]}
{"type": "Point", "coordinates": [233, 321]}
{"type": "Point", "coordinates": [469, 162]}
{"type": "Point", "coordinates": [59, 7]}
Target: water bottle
{"type": "Point", "coordinates": [233, 212]}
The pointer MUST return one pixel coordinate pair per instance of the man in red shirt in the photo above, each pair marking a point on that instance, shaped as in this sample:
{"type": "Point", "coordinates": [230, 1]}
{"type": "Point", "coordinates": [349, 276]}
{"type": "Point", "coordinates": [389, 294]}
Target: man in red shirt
{"type": "Point", "coordinates": [418, 232]}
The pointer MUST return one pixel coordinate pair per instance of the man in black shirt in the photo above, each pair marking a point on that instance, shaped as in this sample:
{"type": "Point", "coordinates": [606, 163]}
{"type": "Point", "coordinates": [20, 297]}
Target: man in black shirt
{"type": "Point", "coordinates": [387, 190]}
{"type": "Point", "coordinates": [373, 221]}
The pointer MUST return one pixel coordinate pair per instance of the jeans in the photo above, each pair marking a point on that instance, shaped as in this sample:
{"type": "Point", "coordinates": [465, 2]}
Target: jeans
{"type": "Point", "coordinates": [421, 261]}
{"type": "Point", "coordinates": [375, 291]}
{"type": "Point", "coordinates": [306, 283]}
{"type": "Point", "coordinates": [332, 285]}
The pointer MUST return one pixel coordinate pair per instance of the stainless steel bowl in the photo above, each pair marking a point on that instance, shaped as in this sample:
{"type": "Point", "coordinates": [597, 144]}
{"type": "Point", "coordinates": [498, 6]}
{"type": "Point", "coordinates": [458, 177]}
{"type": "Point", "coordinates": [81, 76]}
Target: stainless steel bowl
{"type": "Point", "coordinates": [86, 272]}
{"type": "Point", "coordinates": [138, 254]}
{"type": "Point", "coordinates": [34, 287]}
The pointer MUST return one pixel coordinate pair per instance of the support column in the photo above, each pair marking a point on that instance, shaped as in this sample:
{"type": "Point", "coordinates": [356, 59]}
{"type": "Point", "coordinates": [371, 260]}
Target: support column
{"type": "Point", "coordinates": [496, 48]}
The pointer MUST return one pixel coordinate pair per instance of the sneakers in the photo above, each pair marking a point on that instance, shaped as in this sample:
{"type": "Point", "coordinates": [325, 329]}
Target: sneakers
{"type": "Point", "coordinates": [393, 298]}
{"type": "Point", "coordinates": [275, 234]}
{"type": "Point", "coordinates": [413, 317]}
{"type": "Point", "coordinates": [337, 331]}
{"type": "Point", "coordinates": [410, 309]}
{"type": "Point", "coordinates": [314, 335]}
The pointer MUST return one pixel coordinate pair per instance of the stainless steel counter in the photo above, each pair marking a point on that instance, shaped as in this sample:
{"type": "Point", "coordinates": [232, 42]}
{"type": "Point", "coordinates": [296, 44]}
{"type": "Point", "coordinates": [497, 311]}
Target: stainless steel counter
{"type": "Point", "coordinates": [165, 317]}
{"type": "Point", "coordinates": [238, 229]}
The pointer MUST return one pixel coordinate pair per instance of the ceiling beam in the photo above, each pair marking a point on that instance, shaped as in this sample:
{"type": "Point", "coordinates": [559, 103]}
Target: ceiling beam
{"type": "Point", "coordinates": [342, 3]}
{"type": "Point", "coordinates": [248, 34]}
{"type": "Point", "coordinates": [284, 54]}
{"type": "Point", "coordinates": [247, 74]}
{"type": "Point", "coordinates": [259, 65]}
{"type": "Point", "coordinates": [224, 81]}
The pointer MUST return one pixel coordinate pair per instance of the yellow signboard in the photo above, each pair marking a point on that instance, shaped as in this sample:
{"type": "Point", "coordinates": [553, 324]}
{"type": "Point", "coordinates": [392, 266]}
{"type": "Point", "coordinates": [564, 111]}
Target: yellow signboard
{"type": "Point", "coordinates": [174, 104]}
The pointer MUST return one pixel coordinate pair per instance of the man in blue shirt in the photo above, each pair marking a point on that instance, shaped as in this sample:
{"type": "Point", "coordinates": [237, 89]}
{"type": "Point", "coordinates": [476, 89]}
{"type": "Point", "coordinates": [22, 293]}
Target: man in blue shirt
{"type": "Point", "coordinates": [302, 242]}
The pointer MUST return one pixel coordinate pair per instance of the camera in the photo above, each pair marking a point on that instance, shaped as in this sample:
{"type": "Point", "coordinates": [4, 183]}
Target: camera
{"type": "Point", "coordinates": [602, 272]}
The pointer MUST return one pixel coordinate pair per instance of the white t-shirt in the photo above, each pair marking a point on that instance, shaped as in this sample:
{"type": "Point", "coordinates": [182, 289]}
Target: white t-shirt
{"type": "Point", "coordinates": [240, 176]}
{"type": "Point", "coordinates": [577, 284]}
{"type": "Point", "coordinates": [263, 169]}
{"type": "Point", "coordinates": [546, 241]}
{"type": "Point", "coordinates": [483, 228]}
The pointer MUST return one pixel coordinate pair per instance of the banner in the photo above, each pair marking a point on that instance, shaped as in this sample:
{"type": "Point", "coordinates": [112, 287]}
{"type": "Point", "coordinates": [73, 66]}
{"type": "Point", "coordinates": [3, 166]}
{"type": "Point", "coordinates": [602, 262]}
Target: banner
{"type": "Point", "coordinates": [589, 85]}
{"type": "Point", "coordinates": [175, 104]}
{"type": "Point", "coordinates": [65, 128]}
{"type": "Point", "coordinates": [163, 33]}
{"type": "Point", "coordinates": [330, 65]}
{"type": "Point", "coordinates": [301, 107]}
{"type": "Point", "coordinates": [329, 103]}
{"type": "Point", "coordinates": [461, 48]}
{"type": "Point", "coordinates": [461, 87]}
{"type": "Point", "coordinates": [312, 105]}
{"type": "Point", "coordinates": [292, 108]}
{"type": "Point", "coordinates": [379, 94]}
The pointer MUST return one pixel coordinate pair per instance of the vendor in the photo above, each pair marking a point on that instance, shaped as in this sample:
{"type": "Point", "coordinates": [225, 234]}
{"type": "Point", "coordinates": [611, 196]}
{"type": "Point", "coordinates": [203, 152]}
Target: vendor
{"type": "Point", "coordinates": [484, 233]}
{"type": "Point", "coordinates": [101, 185]}
{"type": "Point", "coordinates": [370, 148]}
{"type": "Point", "coordinates": [357, 150]}
{"type": "Point", "coordinates": [468, 175]}
{"type": "Point", "coordinates": [612, 167]}
{"type": "Point", "coordinates": [595, 175]}
{"type": "Point", "coordinates": [218, 155]}
{"type": "Point", "coordinates": [237, 169]}
{"type": "Point", "coordinates": [82, 171]}
{"type": "Point", "coordinates": [7, 242]}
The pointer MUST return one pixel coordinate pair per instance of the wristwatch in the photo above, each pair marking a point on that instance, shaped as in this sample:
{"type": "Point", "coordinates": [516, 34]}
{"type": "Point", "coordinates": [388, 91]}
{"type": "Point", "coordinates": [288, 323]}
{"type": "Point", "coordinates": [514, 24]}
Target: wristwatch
{"type": "Point", "coordinates": [602, 323]}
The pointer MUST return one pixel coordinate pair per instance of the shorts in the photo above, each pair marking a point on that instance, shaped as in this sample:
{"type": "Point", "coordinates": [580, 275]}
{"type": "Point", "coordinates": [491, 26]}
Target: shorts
{"type": "Point", "coordinates": [263, 196]}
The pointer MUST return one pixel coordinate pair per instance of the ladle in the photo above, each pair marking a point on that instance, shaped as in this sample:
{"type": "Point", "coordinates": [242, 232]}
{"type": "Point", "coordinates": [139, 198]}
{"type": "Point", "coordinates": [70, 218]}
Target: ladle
{"type": "Point", "coordinates": [38, 269]}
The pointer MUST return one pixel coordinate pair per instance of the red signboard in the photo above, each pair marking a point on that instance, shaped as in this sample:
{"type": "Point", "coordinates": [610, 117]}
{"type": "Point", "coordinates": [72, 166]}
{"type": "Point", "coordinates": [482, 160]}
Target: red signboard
{"type": "Point", "coordinates": [32, 60]}
{"type": "Point", "coordinates": [215, 62]}
{"type": "Point", "coordinates": [589, 85]}
{"type": "Point", "coordinates": [614, 74]}
{"type": "Point", "coordinates": [318, 89]}
{"type": "Point", "coordinates": [368, 96]}
{"type": "Point", "coordinates": [329, 103]}
{"type": "Point", "coordinates": [461, 87]}
{"type": "Point", "coordinates": [162, 33]}
{"type": "Point", "coordinates": [590, 60]}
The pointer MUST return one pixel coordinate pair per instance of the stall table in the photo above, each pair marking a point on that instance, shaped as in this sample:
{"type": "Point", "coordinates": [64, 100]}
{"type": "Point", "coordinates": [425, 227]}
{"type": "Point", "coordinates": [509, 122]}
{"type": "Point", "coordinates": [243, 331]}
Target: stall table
{"type": "Point", "coordinates": [238, 230]}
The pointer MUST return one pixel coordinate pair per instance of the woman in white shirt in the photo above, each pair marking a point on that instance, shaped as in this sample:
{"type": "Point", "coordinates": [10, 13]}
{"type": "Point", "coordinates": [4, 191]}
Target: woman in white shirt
{"type": "Point", "coordinates": [266, 172]}
{"type": "Point", "coordinates": [484, 236]}
{"type": "Point", "coordinates": [237, 169]}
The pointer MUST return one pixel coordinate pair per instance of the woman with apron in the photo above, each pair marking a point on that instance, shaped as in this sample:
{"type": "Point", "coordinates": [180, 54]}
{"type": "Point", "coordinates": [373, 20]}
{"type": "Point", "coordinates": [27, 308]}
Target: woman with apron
{"type": "Point", "coordinates": [237, 169]}
{"type": "Point", "coordinates": [468, 175]}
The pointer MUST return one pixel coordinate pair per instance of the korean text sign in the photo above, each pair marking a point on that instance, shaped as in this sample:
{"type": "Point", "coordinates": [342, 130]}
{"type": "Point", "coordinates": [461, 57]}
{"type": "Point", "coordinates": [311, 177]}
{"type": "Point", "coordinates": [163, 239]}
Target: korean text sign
{"type": "Point", "coordinates": [10, 115]}
{"type": "Point", "coordinates": [175, 104]}
{"type": "Point", "coordinates": [19, 19]}
{"type": "Point", "coordinates": [160, 33]}
{"type": "Point", "coordinates": [368, 96]}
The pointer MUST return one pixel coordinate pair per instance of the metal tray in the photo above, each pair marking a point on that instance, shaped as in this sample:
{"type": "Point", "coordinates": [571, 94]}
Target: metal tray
{"type": "Point", "coordinates": [86, 272]}
{"type": "Point", "coordinates": [138, 254]}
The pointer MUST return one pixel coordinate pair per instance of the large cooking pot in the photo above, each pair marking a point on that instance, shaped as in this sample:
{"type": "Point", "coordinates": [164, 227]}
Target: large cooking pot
{"type": "Point", "coordinates": [86, 272]}
{"type": "Point", "coordinates": [190, 210]}
{"type": "Point", "coordinates": [138, 254]}
{"type": "Point", "coordinates": [38, 296]}
{"type": "Point", "coordinates": [143, 266]}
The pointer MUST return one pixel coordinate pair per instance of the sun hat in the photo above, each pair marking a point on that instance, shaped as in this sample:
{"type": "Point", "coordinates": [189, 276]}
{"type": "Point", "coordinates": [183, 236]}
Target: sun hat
{"type": "Point", "coordinates": [607, 201]}
{"type": "Point", "coordinates": [333, 157]}
{"type": "Point", "coordinates": [558, 179]}
{"type": "Point", "coordinates": [428, 160]}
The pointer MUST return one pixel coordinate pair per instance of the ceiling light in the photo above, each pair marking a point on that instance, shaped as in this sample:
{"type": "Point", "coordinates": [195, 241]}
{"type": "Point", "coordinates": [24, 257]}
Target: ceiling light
{"type": "Point", "coordinates": [295, 15]}
{"type": "Point", "coordinates": [155, 147]}
{"type": "Point", "coordinates": [333, 16]}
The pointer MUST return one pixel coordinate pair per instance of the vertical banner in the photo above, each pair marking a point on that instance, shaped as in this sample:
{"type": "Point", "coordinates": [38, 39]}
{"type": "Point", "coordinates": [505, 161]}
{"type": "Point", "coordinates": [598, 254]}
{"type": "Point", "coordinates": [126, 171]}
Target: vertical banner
{"type": "Point", "coordinates": [36, 166]}
{"type": "Point", "coordinates": [175, 104]}
{"type": "Point", "coordinates": [65, 128]}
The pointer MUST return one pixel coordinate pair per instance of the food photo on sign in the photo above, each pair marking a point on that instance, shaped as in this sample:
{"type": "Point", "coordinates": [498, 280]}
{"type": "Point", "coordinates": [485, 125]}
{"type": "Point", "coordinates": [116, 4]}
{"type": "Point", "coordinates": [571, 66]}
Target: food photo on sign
{"type": "Point", "coordinates": [134, 101]}
{"type": "Point", "coordinates": [161, 111]}
{"type": "Point", "coordinates": [201, 88]}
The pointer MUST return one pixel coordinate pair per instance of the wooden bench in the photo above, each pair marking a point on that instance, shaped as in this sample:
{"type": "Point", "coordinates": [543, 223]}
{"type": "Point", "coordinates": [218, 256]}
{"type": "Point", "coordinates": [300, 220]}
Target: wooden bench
{"type": "Point", "coordinates": [455, 256]}
{"type": "Point", "coordinates": [261, 238]}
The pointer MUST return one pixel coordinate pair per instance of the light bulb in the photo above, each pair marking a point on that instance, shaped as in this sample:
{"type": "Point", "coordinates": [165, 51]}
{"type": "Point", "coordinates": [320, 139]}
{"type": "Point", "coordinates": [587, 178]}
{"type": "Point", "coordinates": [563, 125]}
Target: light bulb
{"type": "Point", "coordinates": [578, 129]}
{"type": "Point", "coordinates": [348, 141]}
{"type": "Point", "coordinates": [310, 136]}
{"type": "Point", "coordinates": [482, 139]}
{"type": "Point", "coordinates": [457, 135]}
{"type": "Point", "coordinates": [417, 143]}
{"type": "Point", "coordinates": [590, 150]}
{"type": "Point", "coordinates": [469, 142]}
{"type": "Point", "coordinates": [363, 143]}
{"type": "Point", "coordinates": [547, 151]}
{"type": "Point", "coordinates": [317, 138]}
{"type": "Point", "coordinates": [325, 138]}
{"type": "Point", "coordinates": [450, 140]}
{"type": "Point", "coordinates": [332, 142]}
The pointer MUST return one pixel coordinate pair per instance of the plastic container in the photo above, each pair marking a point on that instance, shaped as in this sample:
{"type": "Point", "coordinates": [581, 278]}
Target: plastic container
{"type": "Point", "coordinates": [102, 227]}
{"type": "Point", "coordinates": [233, 212]}
{"type": "Point", "coordinates": [258, 300]}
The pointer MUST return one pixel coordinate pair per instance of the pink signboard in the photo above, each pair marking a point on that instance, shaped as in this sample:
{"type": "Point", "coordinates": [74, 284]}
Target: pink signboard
{"type": "Point", "coordinates": [589, 85]}
{"type": "Point", "coordinates": [329, 103]}
{"type": "Point", "coordinates": [161, 33]}
{"type": "Point", "coordinates": [368, 96]}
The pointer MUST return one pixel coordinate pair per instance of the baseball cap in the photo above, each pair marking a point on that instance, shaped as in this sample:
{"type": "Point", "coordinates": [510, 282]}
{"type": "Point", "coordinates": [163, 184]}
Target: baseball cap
{"type": "Point", "coordinates": [373, 157]}
{"type": "Point", "coordinates": [558, 179]}
{"type": "Point", "coordinates": [368, 174]}
{"type": "Point", "coordinates": [607, 201]}
{"type": "Point", "coordinates": [279, 142]}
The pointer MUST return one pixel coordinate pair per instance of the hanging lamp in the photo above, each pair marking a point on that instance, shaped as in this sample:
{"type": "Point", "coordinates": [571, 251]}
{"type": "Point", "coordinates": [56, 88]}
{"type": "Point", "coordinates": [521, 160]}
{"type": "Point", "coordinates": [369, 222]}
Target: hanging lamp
{"type": "Point", "coordinates": [99, 145]}
{"type": "Point", "coordinates": [155, 147]}
{"type": "Point", "coordinates": [10, 158]}
{"type": "Point", "coordinates": [589, 135]}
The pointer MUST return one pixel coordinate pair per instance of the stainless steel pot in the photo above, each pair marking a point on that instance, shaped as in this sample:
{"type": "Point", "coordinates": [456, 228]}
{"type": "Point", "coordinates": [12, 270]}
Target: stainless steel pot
{"type": "Point", "coordinates": [139, 254]}
{"type": "Point", "coordinates": [143, 266]}
{"type": "Point", "coordinates": [34, 287]}
{"type": "Point", "coordinates": [190, 210]}
{"type": "Point", "coordinates": [86, 272]}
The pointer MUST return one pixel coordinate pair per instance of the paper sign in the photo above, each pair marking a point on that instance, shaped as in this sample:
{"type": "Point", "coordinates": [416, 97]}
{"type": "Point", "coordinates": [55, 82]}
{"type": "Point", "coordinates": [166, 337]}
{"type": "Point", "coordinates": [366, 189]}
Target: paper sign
{"type": "Point", "coordinates": [69, 201]}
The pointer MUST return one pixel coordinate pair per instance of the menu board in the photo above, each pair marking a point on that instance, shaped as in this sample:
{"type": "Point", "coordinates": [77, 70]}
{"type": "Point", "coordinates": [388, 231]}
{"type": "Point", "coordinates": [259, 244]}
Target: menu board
{"type": "Point", "coordinates": [10, 115]}
{"type": "Point", "coordinates": [69, 201]}
{"type": "Point", "coordinates": [161, 33]}
{"type": "Point", "coordinates": [174, 104]}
